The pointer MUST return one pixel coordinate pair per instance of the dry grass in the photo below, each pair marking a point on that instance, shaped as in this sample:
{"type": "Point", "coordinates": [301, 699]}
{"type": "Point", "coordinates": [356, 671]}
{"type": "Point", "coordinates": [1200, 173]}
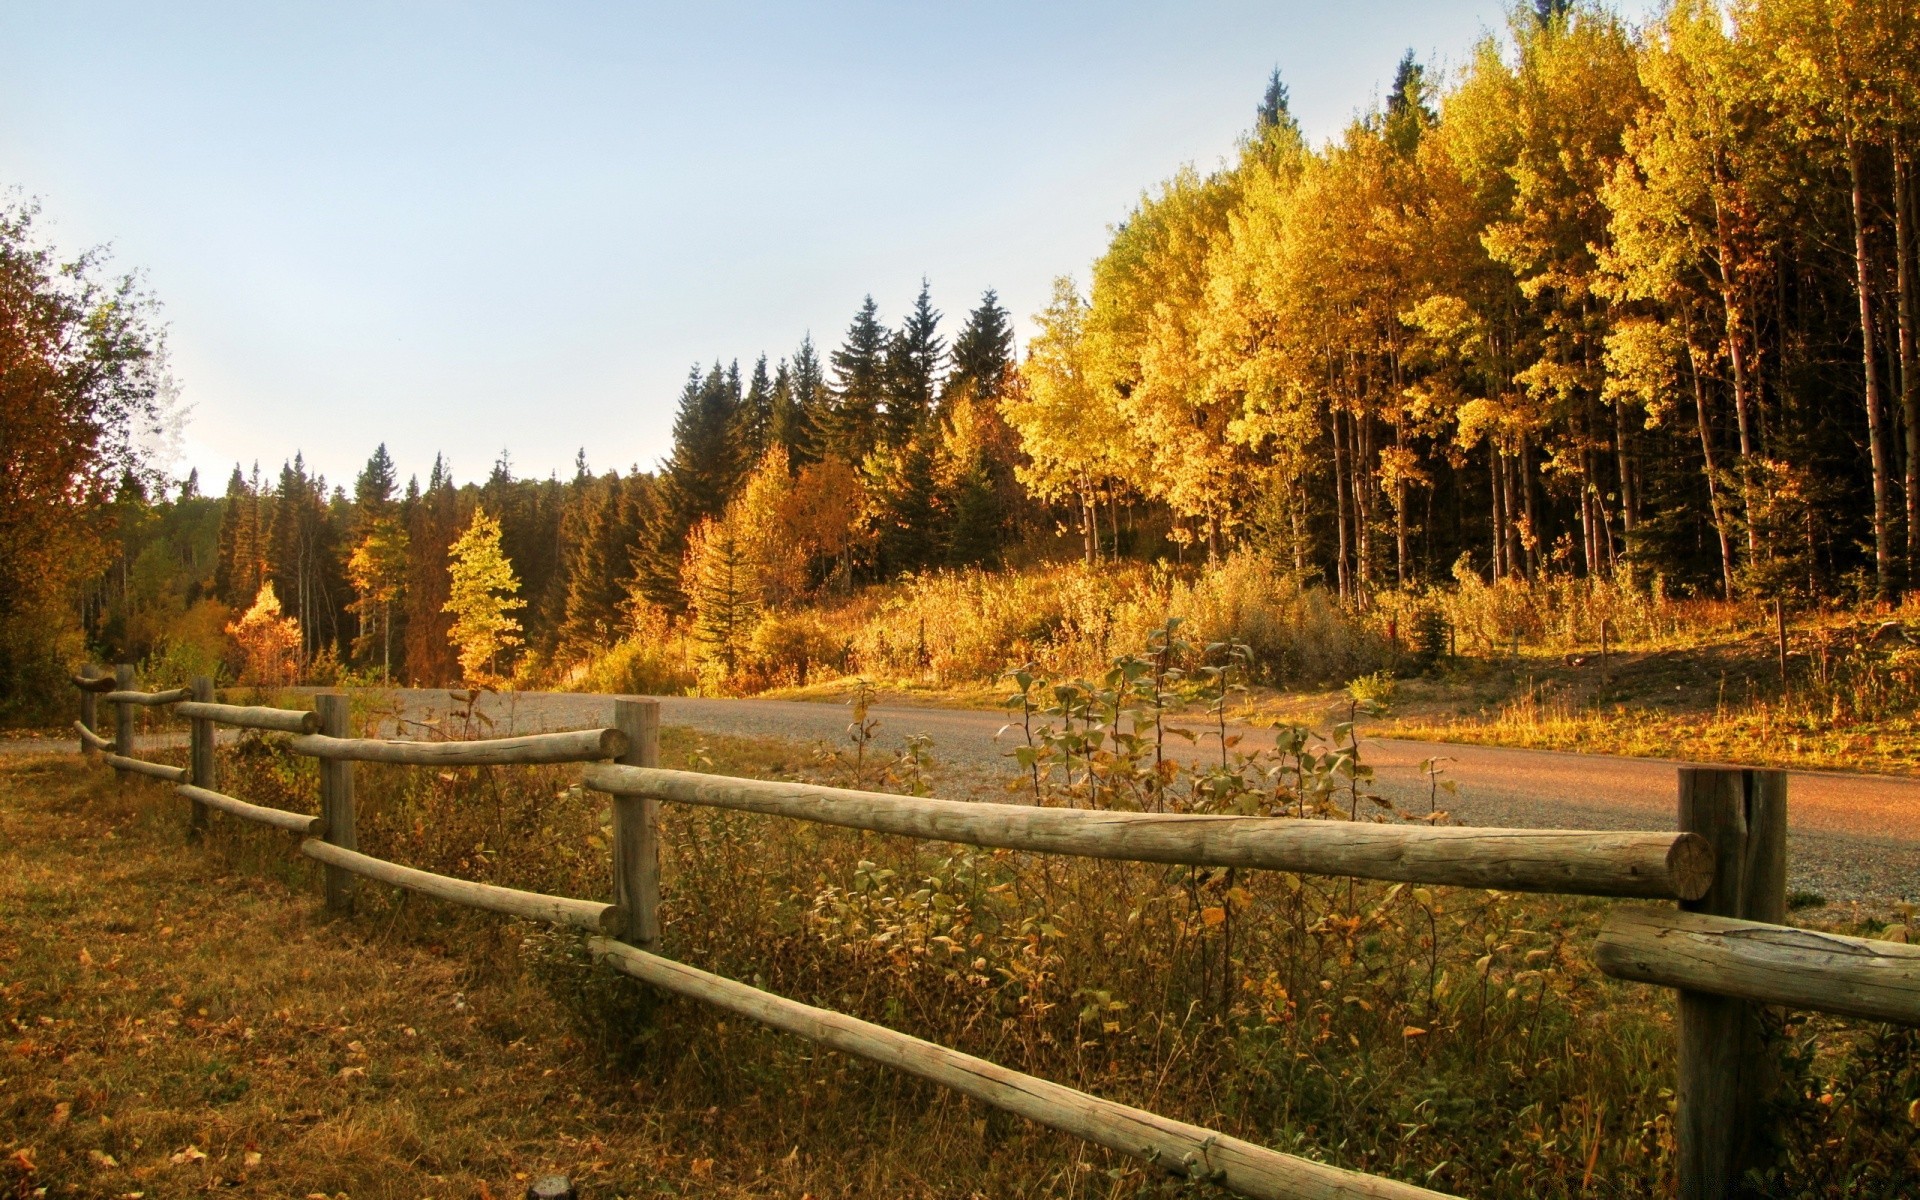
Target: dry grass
{"type": "Point", "coordinates": [1460, 1039]}
{"type": "Point", "coordinates": [160, 1005]}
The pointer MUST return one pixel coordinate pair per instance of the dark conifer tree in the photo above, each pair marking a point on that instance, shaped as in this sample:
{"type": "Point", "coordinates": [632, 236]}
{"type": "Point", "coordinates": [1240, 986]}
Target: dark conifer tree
{"type": "Point", "coordinates": [1408, 114]}
{"type": "Point", "coordinates": [851, 425]}
{"type": "Point", "coordinates": [435, 523]}
{"type": "Point", "coordinates": [901, 484]}
{"type": "Point", "coordinates": [599, 566]}
{"type": "Point", "coordinates": [754, 422]}
{"type": "Point", "coordinates": [976, 524]}
{"type": "Point", "coordinates": [1276, 111]}
{"type": "Point", "coordinates": [787, 423]}
{"type": "Point", "coordinates": [236, 572]}
{"type": "Point", "coordinates": [373, 487]}
{"type": "Point", "coordinates": [913, 369]}
{"type": "Point", "coordinates": [696, 483]}
{"type": "Point", "coordinates": [811, 400]}
{"type": "Point", "coordinates": [983, 353]}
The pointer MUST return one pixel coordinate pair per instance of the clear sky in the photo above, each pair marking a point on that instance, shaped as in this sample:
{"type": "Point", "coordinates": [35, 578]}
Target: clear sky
{"type": "Point", "coordinates": [464, 227]}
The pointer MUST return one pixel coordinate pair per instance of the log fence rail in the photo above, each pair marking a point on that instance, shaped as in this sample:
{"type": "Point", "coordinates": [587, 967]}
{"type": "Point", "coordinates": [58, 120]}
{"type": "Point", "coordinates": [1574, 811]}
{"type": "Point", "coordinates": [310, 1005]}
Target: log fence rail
{"type": "Point", "coordinates": [1723, 949]}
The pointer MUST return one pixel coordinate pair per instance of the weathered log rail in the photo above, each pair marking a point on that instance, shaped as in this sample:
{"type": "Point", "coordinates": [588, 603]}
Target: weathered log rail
{"type": "Point", "coordinates": [1724, 949]}
{"type": "Point", "coordinates": [1575, 862]}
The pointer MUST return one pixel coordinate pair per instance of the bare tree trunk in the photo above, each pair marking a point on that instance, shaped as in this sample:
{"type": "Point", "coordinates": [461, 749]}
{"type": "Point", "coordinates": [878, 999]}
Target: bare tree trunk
{"type": "Point", "coordinates": [1623, 458]}
{"type": "Point", "coordinates": [1497, 518]}
{"type": "Point", "coordinates": [1530, 534]}
{"type": "Point", "coordinates": [1732, 313]}
{"type": "Point", "coordinates": [1358, 430]}
{"type": "Point", "coordinates": [1712, 472]}
{"type": "Point", "coordinates": [1909, 386]}
{"type": "Point", "coordinates": [1340, 497]}
{"type": "Point", "coordinates": [1876, 406]}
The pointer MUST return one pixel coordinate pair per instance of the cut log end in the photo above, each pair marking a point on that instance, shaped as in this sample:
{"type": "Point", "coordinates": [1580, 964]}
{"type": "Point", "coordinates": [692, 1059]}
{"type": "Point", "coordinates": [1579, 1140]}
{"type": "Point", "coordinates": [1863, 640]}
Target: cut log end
{"type": "Point", "coordinates": [613, 743]}
{"type": "Point", "coordinates": [613, 921]}
{"type": "Point", "coordinates": [1690, 866]}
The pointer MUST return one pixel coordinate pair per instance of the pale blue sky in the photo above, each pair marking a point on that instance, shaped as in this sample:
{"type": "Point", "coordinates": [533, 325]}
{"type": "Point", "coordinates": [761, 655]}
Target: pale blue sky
{"type": "Point", "coordinates": [458, 227]}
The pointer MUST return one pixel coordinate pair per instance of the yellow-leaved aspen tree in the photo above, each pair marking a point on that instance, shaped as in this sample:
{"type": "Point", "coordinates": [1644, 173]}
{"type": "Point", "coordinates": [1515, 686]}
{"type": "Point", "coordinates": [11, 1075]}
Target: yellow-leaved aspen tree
{"type": "Point", "coordinates": [482, 600]}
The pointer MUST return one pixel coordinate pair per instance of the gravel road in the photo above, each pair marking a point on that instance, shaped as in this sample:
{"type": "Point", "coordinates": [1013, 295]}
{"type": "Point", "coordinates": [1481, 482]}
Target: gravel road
{"type": "Point", "coordinates": [1851, 837]}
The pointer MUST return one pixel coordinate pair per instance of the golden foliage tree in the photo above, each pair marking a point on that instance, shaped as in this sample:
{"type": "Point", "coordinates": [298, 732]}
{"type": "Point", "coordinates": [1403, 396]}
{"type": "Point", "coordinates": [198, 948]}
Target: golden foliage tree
{"type": "Point", "coordinates": [482, 599]}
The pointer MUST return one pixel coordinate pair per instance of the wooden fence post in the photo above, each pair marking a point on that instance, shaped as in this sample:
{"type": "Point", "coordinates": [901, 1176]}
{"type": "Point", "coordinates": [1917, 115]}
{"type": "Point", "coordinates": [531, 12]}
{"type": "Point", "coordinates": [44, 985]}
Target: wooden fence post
{"type": "Point", "coordinates": [200, 761]}
{"type": "Point", "coordinates": [1726, 1071]}
{"type": "Point", "coordinates": [636, 824]}
{"type": "Point", "coordinates": [336, 798]}
{"type": "Point", "coordinates": [89, 705]}
{"type": "Point", "coordinates": [123, 715]}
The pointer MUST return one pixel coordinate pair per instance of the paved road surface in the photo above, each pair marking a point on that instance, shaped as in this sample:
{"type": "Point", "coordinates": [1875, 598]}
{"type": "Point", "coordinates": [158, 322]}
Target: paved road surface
{"type": "Point", "coordinates": [1852, 836]}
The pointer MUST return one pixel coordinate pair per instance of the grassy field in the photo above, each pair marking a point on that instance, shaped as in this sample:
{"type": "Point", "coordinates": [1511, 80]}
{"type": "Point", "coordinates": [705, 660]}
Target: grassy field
{"type": "Point", "coordinates": [182, 1017]}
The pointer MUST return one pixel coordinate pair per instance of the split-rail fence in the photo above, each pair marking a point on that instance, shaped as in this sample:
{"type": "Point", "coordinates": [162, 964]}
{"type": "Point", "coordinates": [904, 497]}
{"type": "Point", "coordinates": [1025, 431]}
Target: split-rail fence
{"type": "Point", "coordinates": [1724, 947]}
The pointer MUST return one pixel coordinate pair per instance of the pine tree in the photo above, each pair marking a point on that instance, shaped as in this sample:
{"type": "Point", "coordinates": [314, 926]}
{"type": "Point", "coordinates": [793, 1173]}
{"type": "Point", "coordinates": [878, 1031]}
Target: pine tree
{"type": "Point", "coordinates": [788, 427]}
{"type": "Point", "coordinates": [482, 597]}
{"type": "Point", "coordinates": [1408, 114]}
{"type": "Point", "coordinates": [850, 427]}
{"type": "Point", "coordinates": [434, 525]}
{"type": "Point", "coordinates": [811, 399]}
{"type": "Point", "coordinates": [913, 369]}
{"type": "Point", "coordinates": [599, 565]}
{"type": "Point", "coordinates": [695, 484]}
{"type": "Point", "coordinates": [903, 511]}
{"type": "Point", "coordinates": [722, 589]}
{"type": "Point", "coordinates": [236, 572]}
{"type": "Point", "coordinates": [983, 353]}
{"type": "Point", "coordinates": [753, 424]}
{"type": "Point", "coordinates": [373, 487]}
{"type": "Point", "coordinates": [1275, 114]}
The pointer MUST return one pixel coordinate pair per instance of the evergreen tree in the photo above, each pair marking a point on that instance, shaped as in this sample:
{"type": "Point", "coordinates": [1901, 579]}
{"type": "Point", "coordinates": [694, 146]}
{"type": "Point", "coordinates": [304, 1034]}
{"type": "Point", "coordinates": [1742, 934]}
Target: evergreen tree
{"type": "Point", "coordinates": [1275, 113]}
{"type": "Point", "coordinates": [695, 484]}
{"type": "Point", "coordinates": [722, 589]}
{"type": "Point", "coordinates": [913, 369]}
{"type": "Point", "coordinates": [434, 525]}
{"type": "Point", "coordinates": [599, 565]}
{"type": "Point", "coordinates": [851, 425]}
{"type": "Point", "coordinates": [811, 400]}
{"type": "Point", "coordinates": [983, 353]}
{"type": "Point", "coordinates": [303, 557]}
{"type": "Point", "coordinates": [903, 511]}
{"type": "Point", "coordinates": [236, 572]}
{"type": "Point", "coordinates": [788, 426]}
{"type": "Point", "coordinates": [1408, 114]}
{"type": "Point", "coordinates": [373, 487]}
{"type": "Point", "coordinates": [753, 424]}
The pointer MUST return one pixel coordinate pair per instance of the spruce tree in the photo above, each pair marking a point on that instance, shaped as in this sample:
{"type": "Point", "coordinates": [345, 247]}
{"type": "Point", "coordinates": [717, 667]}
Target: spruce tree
{"type": "Point", "coordinates": [433, 525]}
{"type": "Point", "coordinates": [811, 399]}
{"type": "Point", "coordinates": [236, 571]}
{"type": "Point", "coordinates": [1408, 114]}
{"type": "Point", "coordinates": [695, 484]}
{"type": "Point", "coordinates": [851, 425]}
{"type": "Point", "coordinates": [373, 487]}
{"type": "Point", "coordinates": [983, 353]}
{"type": "Point", "coordinates": [901, 488]}
{"type": "Point", "coordinates": [787, 426]}
{"type": "Point", "coordinates": [913, 368]}
{"type": "Point", "coordinates": [598, 566]}
{"type": "Point", "coordinates": [1275, 112]}
{"type": "Point", "coordinates": [753, 423]}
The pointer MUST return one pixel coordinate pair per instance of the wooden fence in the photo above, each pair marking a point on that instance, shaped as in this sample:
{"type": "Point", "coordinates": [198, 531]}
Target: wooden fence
{"type": "Point", "coordinates": [1723, 948]}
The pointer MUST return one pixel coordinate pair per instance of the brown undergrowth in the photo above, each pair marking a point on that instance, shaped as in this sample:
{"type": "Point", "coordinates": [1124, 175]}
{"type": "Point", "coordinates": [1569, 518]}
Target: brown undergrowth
{"type": "Point", "coordinates": [1460, 1039]}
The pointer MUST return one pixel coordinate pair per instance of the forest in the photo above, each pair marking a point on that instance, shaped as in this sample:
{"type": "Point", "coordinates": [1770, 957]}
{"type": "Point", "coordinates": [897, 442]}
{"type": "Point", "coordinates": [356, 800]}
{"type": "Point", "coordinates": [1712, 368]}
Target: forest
{"type": "Point", "coordinates": [1603, 302]}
